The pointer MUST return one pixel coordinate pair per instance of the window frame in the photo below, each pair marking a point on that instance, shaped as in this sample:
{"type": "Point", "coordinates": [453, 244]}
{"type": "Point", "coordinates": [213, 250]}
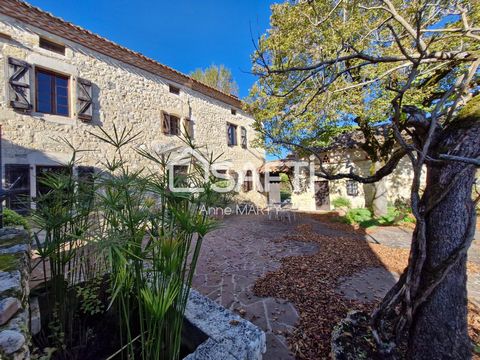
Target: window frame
{"type": "Point", "coordinates": [52, 46]}
{"type": "Point", "coordinates": [173, 89]}
{"type": "Point", "coordinates": [173, 119]}
{"type": "Point", "coordinates": [351, 187]}
{"type": "Point", "coordinates": [233, 111]}
{"type": "Point", "coordinates": [54, 75]}
{"type": "Point", "coordinates": [235, 135]}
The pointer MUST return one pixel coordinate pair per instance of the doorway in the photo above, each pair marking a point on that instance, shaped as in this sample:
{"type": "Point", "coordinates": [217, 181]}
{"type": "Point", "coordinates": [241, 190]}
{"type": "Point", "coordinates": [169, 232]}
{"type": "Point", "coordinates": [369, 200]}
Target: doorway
{"type": "Point", "coordinates": [322, 195]}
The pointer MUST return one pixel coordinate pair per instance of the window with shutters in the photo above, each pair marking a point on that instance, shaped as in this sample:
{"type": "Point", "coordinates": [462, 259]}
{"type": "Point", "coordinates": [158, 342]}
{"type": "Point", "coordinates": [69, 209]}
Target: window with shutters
{"type": "Point", "coordinates": [52, 46]}
{"type": "Point", "coordinates": [170, 124]}
{"type": "Point", "coordinates": [51, 93]}
{"type": "Point", "coordinates": [231, 134]}
{"type": "Point", "coordinates": [248, 181]}
{"type": "Point", "coordinates": [174, 125]}
{"type": "Point", "coordinates": [19, 84]}
{"type": "Point", "coordinates": [352, 188]}
{"type": "Point", "coordinates": [244, 137]}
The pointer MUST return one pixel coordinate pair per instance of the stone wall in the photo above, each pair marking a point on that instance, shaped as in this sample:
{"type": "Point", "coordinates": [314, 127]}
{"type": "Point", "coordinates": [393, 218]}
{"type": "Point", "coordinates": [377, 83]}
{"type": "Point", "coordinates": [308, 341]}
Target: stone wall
{"type": "Point", "coordinates": [14, 292]}
{"type": "Point", "coordinates": [123, 95]}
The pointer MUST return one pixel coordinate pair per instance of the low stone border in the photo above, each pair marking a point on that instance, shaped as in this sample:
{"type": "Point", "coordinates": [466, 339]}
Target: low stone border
{"type": "Point", "coordinates": [14, 291]}
{"type": "Point", "coordinates": [230, 337]}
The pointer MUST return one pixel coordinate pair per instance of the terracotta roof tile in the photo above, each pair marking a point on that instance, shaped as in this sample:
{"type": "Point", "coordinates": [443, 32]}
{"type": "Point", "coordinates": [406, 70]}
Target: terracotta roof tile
{"type": "Point", "coordinates": [41, 19]}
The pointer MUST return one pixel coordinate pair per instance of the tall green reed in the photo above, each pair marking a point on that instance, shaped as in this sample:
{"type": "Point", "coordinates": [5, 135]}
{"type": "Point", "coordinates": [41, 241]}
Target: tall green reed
{"type": "Point", "coordinates": [153, 237]}
{"type": "Point", "coordinates": [132, 225]}
{"type": "Point", "coordinates": [62, 219]}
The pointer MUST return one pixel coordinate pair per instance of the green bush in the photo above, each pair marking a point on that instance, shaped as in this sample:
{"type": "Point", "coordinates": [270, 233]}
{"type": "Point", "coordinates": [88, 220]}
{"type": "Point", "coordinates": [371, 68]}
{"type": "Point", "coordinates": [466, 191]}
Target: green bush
{"type": "Point", "coordinates": [358, 216]}
{"type": "Point", "coordinates": [12, 218]}
{"type": "Point", "coordinates": [341, 202]}
{"type": "Point", "coordinates": [365, 219]}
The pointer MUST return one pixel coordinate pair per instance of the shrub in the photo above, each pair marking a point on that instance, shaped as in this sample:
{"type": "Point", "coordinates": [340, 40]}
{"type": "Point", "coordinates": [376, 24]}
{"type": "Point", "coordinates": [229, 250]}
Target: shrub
{"type": "Point", "coordinates": [12, 218]}
{"type": "Point", "coordinates": [365, 219]}
{"type": "Point", "coordinates": [358, 216]}
{"type": "Point", "coordinates": [341, 202]}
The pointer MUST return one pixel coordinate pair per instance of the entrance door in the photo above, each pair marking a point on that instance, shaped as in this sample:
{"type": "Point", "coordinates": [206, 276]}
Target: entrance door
{"type": "Point", "coordinates": [322, 195]}
{"type": "Point", "coordinates": [19, 197]}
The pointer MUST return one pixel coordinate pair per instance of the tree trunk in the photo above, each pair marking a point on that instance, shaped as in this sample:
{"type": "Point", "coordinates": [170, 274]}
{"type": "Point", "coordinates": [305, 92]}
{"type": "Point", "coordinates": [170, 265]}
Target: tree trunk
{"type": "Point", "coordinates": [377, 200]}
{"type": "Point", "coordinates": [439, 329]}
{"type": "Point", "coordinates": [380, 199]}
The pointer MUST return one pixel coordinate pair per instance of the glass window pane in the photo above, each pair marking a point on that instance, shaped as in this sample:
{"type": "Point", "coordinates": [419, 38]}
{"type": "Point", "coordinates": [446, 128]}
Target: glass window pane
{"type": "Point", "coordinates": [44, 78]}
{"type": "Point", "coordinates": [44, 107]}
{"type": "Point", "coordinates": [62, 91]}
{"type": "Point", "coordinates": [62, 110]}
{"type": "Point", "coordinates": [62, 100]}
{"type": "Point", "coordinates": [44, 92]}
{"type": "Point", "coordinates": [63, 82]}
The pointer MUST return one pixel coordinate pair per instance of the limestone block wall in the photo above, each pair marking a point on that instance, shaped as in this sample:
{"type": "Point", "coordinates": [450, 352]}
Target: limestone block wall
{"type": "Point", "coordinates": [122, 95]}
{"type": "Point", "coordinates": [14, 292]}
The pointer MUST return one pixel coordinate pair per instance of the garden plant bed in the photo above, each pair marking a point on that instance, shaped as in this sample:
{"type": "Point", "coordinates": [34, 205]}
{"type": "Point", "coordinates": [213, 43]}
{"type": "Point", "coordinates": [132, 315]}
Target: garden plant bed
{"type": "Point", "coordinates": [311, 283]}
{"type": "Point", "coordinates": [209, 332]}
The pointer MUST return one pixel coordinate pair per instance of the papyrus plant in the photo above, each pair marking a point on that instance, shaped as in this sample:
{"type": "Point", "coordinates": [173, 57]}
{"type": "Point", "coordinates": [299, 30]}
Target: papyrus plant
{"type": "Point", "coordinates": [152, 237]}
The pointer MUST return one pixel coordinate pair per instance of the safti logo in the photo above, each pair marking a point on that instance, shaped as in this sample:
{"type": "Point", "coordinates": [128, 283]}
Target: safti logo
{"type": "Point", "coordinates": [184, 159]}
{"type": "Point", "coordinates": [230, 178]}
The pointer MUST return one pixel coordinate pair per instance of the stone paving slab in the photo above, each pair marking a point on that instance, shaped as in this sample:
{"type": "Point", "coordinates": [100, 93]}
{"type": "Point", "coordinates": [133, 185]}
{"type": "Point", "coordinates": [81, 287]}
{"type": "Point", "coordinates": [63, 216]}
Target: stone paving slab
{"type": "Point", "coordinates": [368, 285]}
{"type": "Point", "coordinates": [374, 283]}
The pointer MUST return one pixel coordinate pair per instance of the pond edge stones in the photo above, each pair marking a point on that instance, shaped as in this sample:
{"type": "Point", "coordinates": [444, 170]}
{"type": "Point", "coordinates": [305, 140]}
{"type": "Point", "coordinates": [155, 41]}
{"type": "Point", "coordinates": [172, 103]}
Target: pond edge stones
{"type": "Point", "coordinates": [230, 337]}
{"type": "Point", "coordinates": [14, 292]}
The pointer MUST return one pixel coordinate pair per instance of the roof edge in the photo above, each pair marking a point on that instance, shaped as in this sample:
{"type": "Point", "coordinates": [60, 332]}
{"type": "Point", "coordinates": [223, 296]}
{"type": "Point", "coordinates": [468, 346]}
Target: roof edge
{"type": "Point", "coordinates": [48, 22]}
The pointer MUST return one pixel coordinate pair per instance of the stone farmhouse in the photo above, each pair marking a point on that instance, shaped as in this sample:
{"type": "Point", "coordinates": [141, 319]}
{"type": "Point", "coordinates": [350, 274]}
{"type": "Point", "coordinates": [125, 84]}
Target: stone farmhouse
{"type": "Point", "coordinates": [314, 193]}
{"type": "Point", "coordinates": [62, 81]}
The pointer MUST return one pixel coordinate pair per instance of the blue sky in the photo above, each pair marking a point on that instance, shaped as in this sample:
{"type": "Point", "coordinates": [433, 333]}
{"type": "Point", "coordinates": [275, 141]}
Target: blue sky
{"type": "Point", "coordinates": [183, 34]}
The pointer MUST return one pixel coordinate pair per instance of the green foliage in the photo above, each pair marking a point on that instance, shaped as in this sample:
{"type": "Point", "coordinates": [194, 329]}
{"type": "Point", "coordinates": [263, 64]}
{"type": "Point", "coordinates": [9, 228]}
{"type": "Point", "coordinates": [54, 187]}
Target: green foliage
{"type": "Point", "coordinates": [88, 294]}
{"type": "Point", "coordinates": [8, 262]}
{"type": "Point", "coordinates": [365, 219]}
{"type": "Point", "coordinates": [341, 202]}
{"type": "Point", "coordinates": [358, 216]}
{"type": "Point", "coordinates": [314, 81]}
{"type": "Point", "coordinates": [12, 218]}
{"type": "Point", "coordinates": [133, 226]}
{"type": "Point", "coordinates": [217, 76]}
